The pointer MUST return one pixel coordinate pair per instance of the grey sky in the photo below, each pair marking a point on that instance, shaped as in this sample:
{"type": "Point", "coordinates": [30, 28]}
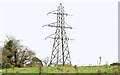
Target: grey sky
{"type": "Point", "coordinates": [95, 29]}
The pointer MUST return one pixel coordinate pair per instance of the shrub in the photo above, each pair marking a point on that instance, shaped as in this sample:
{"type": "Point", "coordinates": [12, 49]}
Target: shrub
{"type": "Point", "coordinates": [75, 67]}
{"type": "Point", "coordinates": [115, 64]}
{"type": "Point", "coordinates": [5, 65]}
{"type": "Point", "coordinates": [98, 72]}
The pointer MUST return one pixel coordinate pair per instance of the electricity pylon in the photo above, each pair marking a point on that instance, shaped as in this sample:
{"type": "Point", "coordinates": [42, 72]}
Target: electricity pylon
{"type": "Point", "coordinates": [60, 51]}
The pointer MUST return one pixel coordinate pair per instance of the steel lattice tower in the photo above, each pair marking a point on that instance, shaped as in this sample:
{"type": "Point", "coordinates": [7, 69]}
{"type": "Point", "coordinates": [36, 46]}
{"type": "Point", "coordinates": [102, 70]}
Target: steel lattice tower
{"type": "Point", "coordinates": [60, 52]}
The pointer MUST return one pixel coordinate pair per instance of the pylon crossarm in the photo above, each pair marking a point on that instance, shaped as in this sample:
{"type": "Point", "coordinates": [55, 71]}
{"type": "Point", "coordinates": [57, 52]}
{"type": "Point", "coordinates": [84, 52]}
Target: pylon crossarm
{"type": "Point", "coordinates": [50, 35]}
{"type": "Point", "coordinates": [58, 38]}
{"type": "Point", "coordinates": [62, 14]}
{"type": "Point", "coordinates": [52, 12]}
{"type": "Point", "coordinates": [55, 12]}
{"type": "Point", "coordinates": [68, 25]}
{"type": "Point", "coordinates": [51, 24]}
{"type": "Point", "coordinates": [57, 26]}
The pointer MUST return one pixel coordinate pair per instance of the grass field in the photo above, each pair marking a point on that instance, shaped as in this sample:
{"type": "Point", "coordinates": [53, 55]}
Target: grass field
{"type": "Point", "coordinates": [81, 69]}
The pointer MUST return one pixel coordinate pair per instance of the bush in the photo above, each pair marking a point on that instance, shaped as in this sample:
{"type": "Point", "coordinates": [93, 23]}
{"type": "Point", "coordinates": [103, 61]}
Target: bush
{"type": "Point", "coordinates": [115, 64]}
{"type": "Point", "coordinates": [1, 66]}
{"type": "Point", "coordinates": [75, 66]}
{"type": "Point", "coordinates": [4, 65]}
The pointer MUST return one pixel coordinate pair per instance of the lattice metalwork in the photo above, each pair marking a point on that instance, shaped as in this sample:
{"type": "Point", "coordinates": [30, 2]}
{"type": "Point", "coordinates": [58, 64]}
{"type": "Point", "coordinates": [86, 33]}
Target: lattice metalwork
{"type": "Point", "coordinates": [60, 51]}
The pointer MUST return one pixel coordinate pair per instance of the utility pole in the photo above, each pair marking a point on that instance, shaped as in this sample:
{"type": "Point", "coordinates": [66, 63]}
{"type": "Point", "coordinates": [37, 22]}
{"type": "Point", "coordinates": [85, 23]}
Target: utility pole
{"type": "Point", "coordinates": [100, 60]}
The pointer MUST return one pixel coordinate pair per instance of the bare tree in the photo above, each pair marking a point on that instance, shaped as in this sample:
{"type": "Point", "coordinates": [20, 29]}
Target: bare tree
{"type": "Point", "coordinates": [45, 61]}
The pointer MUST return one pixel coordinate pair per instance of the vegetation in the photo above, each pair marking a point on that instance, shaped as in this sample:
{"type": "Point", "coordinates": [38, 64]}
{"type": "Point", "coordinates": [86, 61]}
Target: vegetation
{"type": "Point", "coordinates": [72, 69]}
{"type": "Point", "coordinates": [16, 55]}
{"type": "Point", "coordinates": [35, 62]}
{"type": "Point", "coordinates": [17, 58]}
{"type": "Point", "coordinates": [115, 64]}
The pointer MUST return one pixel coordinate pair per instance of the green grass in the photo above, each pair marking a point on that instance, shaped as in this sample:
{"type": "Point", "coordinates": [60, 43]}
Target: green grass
{"type": "Point", "coordinates": [81, 69]}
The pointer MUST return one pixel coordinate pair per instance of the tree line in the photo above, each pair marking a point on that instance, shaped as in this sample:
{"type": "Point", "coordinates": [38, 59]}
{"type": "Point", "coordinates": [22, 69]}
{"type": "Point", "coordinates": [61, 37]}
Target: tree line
{"type": "Point", "coordinates": [16, 55]}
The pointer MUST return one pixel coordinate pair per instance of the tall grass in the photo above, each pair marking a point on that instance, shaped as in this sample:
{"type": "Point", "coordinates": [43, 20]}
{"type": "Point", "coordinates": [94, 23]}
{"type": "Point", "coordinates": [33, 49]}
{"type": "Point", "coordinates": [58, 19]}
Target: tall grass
{"type": "Point", "coordinates": [72, 69]}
